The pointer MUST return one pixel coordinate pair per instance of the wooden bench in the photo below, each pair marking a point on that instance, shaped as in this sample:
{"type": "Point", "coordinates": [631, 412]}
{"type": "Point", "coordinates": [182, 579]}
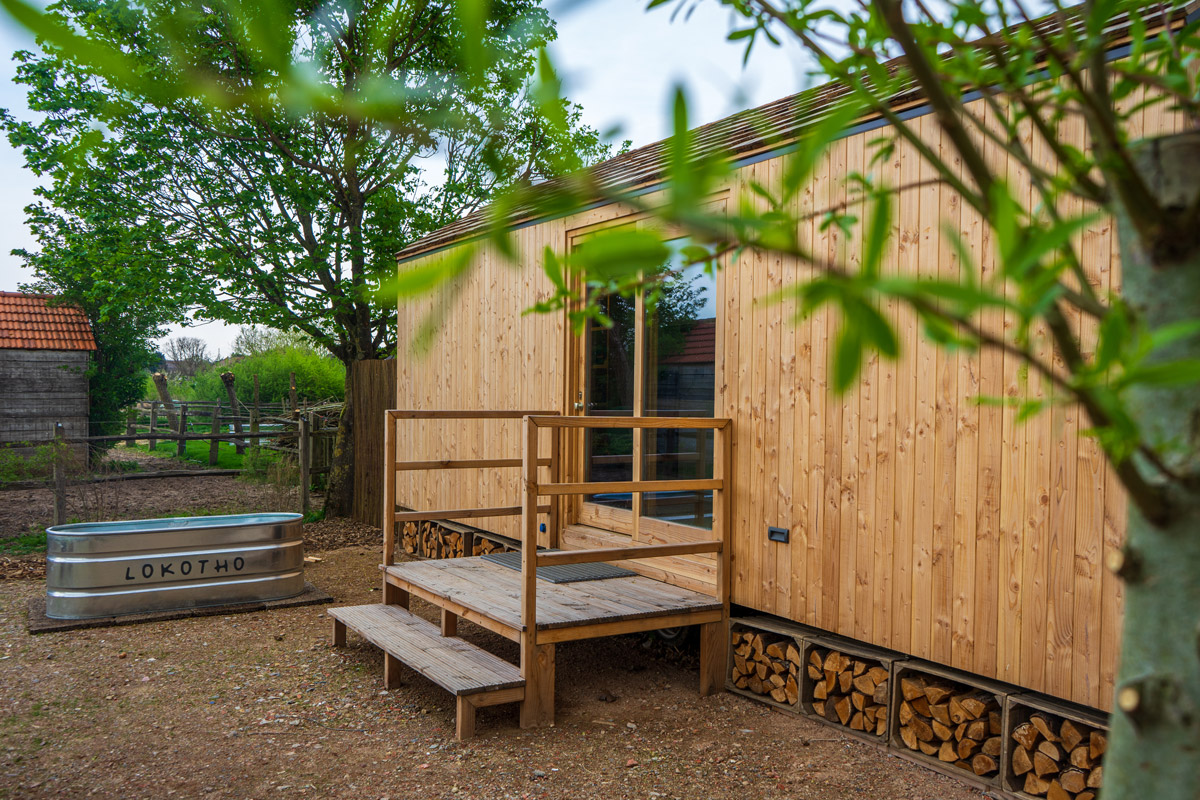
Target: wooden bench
{"type": "Point", "coordinates": [475, 677]}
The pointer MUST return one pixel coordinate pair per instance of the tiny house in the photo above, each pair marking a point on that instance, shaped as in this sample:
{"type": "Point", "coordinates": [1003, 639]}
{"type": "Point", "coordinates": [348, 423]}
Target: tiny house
{"type": "Point", "coordinates": [903, 514]}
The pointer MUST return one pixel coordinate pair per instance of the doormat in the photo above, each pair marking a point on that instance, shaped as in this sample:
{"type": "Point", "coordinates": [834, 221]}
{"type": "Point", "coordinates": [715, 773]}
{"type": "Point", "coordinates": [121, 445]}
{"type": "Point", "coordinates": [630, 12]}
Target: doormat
{"type": "Point", "coordinates": [40, 623]}
{"type": "Point", "coordinates": [562, 573]}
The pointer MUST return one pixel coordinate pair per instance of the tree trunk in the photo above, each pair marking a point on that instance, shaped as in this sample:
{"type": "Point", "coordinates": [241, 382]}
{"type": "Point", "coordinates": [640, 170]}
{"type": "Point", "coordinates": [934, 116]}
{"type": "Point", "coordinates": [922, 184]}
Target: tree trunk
{"type": "Point", "coordinates": [339, 492]}
{"type": "Point", "coordinates": [1155, 745]}
{"type": "Point", "coordinates": [164, 394]}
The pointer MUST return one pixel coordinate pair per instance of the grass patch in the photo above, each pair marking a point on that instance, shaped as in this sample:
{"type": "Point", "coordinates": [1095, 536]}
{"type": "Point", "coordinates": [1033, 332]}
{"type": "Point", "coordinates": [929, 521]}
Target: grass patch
{"type": "Point", "coordinates": [26, 543]}
{"type": "Point", "coordinates": [197, 452]}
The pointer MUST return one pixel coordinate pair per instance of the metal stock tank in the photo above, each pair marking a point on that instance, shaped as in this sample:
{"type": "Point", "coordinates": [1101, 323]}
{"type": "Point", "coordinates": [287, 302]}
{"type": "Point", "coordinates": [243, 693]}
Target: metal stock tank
{"type": "Point", "coordinates": [102, 569]}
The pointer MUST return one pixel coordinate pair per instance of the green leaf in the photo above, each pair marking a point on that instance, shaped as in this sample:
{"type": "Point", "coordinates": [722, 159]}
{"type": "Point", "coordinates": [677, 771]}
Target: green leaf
{"type": "Point", "coordinates": [878, 230]}
{"type": "Point", "coordinates": [1183, 372]}
{"type": "Point", "coordinates": [847, 357]}
{"type": "Point", "coordinates": [425, 277]}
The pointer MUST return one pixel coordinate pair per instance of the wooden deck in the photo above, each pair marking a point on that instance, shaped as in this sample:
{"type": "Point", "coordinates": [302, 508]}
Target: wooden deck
{"type": "Point", "coordinates": [490, 595]}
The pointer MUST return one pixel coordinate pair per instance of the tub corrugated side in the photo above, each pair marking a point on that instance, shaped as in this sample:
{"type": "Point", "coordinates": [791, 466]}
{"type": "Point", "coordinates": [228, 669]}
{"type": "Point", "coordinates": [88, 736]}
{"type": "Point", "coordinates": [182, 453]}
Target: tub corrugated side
{"type": "Point", "coordinates": [102, 569]}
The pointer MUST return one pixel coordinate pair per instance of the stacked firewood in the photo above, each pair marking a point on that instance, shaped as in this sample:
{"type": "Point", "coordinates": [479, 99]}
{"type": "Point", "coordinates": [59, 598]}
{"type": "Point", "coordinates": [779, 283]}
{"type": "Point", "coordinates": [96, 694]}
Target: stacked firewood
{"type": "Point", "coordinates": [953, 723]}
{"type": "Point", "coordinates": [485, 546]}
{"type": "Point", "coordinates": [431, 540]}
{"type": "Point", "coordinates": [766, 664]}
{"type": "Point", "coordinates": [850, 691]}
{"type": "Point", "coordinates": [1058, 760]}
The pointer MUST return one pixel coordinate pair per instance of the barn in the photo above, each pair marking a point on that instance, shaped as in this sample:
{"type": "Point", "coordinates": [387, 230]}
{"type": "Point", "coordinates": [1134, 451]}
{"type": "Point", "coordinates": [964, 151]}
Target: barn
{"type": "Point", "coordinates": [44, 354]}
{"type": "Point", "coordinates": [895, 550]}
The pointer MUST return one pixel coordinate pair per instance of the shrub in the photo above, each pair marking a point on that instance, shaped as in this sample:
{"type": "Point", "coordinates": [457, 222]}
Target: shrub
{"type": "Point", "coordinates": [318, 377]}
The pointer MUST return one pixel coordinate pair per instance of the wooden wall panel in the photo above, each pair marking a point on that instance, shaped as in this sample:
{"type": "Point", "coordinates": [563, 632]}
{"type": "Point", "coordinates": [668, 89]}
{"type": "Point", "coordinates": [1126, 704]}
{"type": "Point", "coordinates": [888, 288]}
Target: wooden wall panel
{"type": "Point", "coordinates": [920, 519]}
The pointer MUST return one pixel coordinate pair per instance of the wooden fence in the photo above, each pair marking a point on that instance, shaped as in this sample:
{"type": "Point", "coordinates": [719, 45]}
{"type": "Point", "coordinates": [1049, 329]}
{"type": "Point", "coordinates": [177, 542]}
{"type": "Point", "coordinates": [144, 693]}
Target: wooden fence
{"type": "Point", "coordinates": [309, 439]}
{"type": "Point", "coordinates": [373, 388]}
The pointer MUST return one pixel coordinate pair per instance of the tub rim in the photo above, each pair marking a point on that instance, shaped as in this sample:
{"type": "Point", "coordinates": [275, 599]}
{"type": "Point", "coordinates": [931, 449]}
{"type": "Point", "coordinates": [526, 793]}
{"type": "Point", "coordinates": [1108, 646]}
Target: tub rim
{"type": "Point", "coordinates": [232, 520]}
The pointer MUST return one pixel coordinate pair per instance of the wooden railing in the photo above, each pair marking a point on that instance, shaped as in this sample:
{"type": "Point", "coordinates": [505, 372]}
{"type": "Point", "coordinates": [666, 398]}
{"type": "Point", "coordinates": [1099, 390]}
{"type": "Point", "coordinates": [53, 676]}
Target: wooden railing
{"type": "Point", "coordinates": [555, 489]}
{"type": "Point", "coordinates": [391, 516]}
{"type": "Point", "coordinates": [531, 558]}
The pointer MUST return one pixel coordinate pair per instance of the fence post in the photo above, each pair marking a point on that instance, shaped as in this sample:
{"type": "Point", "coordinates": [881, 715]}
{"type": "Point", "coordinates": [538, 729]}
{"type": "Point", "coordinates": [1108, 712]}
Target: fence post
{"type": "Point", "coordinates": [181, 447]}
{"type": "Point", "coordinates": [227, 379]}
{"type": "Point", "coordinates": [215, 443]}
{"type": "Point", "coordinates": [60, 475]}
{"type": "Point", "coordinates": [305, 453]}
{"type": "Point", "coordinates": [256, 414]}
{"type": "Point", "coordinates": [153, 424]}
{"type": "Point", "coordinates": [292, 396]}
{"type": "Point", "coordinates": [130, 419]}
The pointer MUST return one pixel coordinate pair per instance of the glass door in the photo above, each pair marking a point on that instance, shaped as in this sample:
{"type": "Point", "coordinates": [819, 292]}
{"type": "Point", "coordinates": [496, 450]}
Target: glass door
{"type": "Point", "coordinates": [657, 358]}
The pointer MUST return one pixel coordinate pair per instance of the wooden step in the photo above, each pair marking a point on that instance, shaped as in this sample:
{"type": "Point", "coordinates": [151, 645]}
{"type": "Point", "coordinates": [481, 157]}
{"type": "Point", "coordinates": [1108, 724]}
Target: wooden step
{"type": "Point", "coordinates": [474, 676]}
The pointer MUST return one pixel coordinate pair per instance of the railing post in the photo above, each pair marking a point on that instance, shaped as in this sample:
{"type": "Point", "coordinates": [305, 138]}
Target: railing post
{"type": "Point", "coordinates": [537, 660]}
{"type": "Point", "coordinates": [304, 444]}
{"type": "Point", "coordinates": [555, 523]}
{"type": "Point", "coordinates": [388, 516]}
{"type": "Point", "coordinates": [60, 475]}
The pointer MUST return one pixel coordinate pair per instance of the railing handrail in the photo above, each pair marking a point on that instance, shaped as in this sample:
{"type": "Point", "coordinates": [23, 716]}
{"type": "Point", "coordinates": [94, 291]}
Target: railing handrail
{"type": "Point", "coordinates": [393, 466]}
{"type": "Point", "coordinates": [531, 558]}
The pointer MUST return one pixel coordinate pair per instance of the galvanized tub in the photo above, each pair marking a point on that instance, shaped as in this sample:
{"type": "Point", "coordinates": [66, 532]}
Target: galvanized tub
{"type": "Point", "coordinates": [103, 569]}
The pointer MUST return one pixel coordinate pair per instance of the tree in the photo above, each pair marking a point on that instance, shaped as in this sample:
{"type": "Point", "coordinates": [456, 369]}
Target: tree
{"type": "Point", "coordinates": [290, 216]}
{"type": "Point", "coordinates": [189, 354]}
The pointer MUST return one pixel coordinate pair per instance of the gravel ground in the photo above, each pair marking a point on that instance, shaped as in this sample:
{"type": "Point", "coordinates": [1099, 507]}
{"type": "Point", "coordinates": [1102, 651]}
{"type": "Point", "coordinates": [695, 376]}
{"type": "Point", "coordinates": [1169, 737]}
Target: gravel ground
{"type": "Point", "coordinates": [259, 705]}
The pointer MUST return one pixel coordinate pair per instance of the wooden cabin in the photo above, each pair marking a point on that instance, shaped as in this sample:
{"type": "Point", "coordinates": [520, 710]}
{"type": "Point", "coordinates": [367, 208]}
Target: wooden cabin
{"type": "Point", "coordinates": [44, 352]}
{"type": "Point", "coordinates": [700, 446]}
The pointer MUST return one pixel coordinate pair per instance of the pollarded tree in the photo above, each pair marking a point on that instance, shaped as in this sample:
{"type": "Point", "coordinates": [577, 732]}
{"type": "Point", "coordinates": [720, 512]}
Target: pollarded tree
{"type": "Point", "coordinates": [289, 216]}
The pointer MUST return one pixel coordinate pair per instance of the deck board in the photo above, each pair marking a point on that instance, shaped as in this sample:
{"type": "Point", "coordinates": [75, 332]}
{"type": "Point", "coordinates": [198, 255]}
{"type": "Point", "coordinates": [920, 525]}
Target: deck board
{"type": "Point", "coordinates": [495, 592]}
{"type": "Point", "coordinates": [454, 664]}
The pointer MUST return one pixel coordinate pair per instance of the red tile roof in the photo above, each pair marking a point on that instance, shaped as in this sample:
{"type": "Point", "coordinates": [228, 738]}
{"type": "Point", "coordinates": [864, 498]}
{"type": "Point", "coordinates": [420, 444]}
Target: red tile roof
{"type": "Point", "coordinates": [699, 346]}
{"type": "Point", "coordinates": [29, 322]}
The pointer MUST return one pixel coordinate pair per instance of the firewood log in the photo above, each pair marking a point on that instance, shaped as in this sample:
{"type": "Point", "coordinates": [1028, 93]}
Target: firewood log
{"type": "Point", "coordinates": [983, 764]}
{"type": "Point", "coordinates": [991, 747]}
{"type": "Point", "coordinates": [775, 650]}
{"type": "Point", "coordinates": [923, 729]}
{"type": "Point", "coordinates": [1025, 735]}
{"type": "Point", "coordinates": [995, 723]}
{"type": "Point", "coordinates": [1021, 762]}
{"type": "Point", "coordinates": [842, 707]}
{"type": "Point", "coordinates": [1095, 777]}
{"type": "Point", "coordinates": [941, 731]}
{"type": "Point", "coordinates": [977, 730]}
{"type": "Point", "coordinates": [937, 694]}
{"type": "Point", "coordinates": [912, 687]}
{"type": "Point", "coordinates": [1097, 744]}
{"type": "Point", "coordinates": [1035, 785]}
{"type": "Point", "coordinates": [1050, 749]}
{"type": "Point", "coordinates": [1043, 765]}
{"type": "Point", "coordinates": [921, 705]}
{"type": "Point", "coordinates": [928, 748]}
{"type": "Point", "coordinates": [793, 654]}
{"type": "Point", "coordinates": [881, 693]}
{"type": "Point", "coordinates": [947, 753]}
{"type": "Point", "coordinates": [1044, 728]}
{"type": "Point", "coordinates": [940, 712]}
{"type": "Point", "coordinates": [908, 736]}
{"type": "Point", "coordinates": [1070, 736]}
{"type": "Point", "coordinates": [905, 714]}
{"type": "Point", "coordinates": [1080, 758]}
{"type": "Point", "coordinates": [1057, 792]}
{"type": "Point", "coordinates": [1073, 780]}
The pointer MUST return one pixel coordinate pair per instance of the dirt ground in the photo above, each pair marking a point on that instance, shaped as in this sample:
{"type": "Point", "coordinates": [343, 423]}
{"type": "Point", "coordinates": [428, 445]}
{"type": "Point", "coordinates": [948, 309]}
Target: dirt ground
{"type": "Point", "coordinates": [259, 705]}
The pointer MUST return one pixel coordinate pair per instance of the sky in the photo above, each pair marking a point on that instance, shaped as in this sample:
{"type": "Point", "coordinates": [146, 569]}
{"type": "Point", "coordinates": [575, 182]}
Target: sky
{"type": "Point", "coordinates": [618, 61]}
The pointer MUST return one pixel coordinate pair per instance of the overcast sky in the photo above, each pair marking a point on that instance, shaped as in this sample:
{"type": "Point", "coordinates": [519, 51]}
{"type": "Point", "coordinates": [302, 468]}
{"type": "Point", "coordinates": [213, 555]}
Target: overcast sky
{"type": "Point", "coordinates": [619, 62]}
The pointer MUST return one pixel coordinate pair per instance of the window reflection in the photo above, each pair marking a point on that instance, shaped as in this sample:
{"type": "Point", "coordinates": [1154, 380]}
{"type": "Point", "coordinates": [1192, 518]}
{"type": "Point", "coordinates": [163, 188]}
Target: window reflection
{"type": "Point", "coordinates": [680, 381]}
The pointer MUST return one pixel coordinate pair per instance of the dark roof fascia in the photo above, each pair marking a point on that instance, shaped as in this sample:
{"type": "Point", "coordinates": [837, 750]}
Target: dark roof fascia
{"type": "Point", "coordinates": [875, 122]}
